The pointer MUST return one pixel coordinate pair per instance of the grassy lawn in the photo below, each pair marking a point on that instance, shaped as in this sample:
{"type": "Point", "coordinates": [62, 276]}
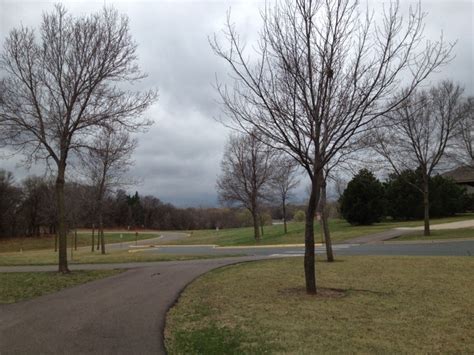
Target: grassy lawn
{"type": "Point", "coordinates": [16, 287]}
{"type": "Point", "coordinates": [440, 234]}
{"type": "Point", "coordinates": [366, 305]}
{"type": "Point", "coordinates": [83, 239]}
{"type": "Point", "coordinates": [340, 231]}
{"type": "Point", "coordinates": [49, 257]}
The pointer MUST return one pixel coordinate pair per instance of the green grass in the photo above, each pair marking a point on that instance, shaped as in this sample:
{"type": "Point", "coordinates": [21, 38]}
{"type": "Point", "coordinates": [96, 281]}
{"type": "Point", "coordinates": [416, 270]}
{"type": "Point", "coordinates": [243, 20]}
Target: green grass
{"type": "Point", "coordinates": [366, 305]}
{"type": "Point", "coordinates": [440, 234]}
{"type": "Point", "coordinates": [16, 287]}
{"type": "Point", "coordinates": [49, 257]}
{"type": "Point", "coordinates": [83, 239]}
{"type": "Point", "coordinates": [340, 232]}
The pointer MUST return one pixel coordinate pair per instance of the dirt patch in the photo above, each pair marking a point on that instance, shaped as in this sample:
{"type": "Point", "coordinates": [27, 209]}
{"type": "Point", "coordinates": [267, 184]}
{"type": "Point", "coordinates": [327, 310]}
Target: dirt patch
{"type": "Point", "coordinates": [321, 292]}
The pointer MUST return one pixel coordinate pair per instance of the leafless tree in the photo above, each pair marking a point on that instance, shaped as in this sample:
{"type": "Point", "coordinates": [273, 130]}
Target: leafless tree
{"type": "Point", "coordinates": [465, 135]}
{"type": "Point", "coordinates": [321, 73]}
{"type": "Point", "coordinates": [284, 180]}
{"type": "Point", "coordinates": [247, 168]}
{"type": "Point", "coordinates": [105, 164]}
{"type": "Point", "coordinates": [417, 133]}
{"type": "Point", "coordinates": [60, 88]}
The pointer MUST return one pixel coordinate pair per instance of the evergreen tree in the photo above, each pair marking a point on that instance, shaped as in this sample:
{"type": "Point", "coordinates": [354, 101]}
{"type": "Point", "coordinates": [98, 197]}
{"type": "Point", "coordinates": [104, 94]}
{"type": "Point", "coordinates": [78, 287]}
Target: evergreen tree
{"type": "Point", "coordinates": [363, 200]}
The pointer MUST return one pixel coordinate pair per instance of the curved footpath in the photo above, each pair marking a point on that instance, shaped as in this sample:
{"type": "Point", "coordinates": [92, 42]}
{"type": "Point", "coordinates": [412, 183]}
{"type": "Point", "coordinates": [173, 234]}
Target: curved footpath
{"type": "Point", "coordinates": [122, 314]}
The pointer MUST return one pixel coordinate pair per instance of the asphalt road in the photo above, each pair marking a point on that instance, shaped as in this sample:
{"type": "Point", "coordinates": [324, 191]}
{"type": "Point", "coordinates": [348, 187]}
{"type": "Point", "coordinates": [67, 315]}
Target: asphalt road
{"type": "Point", "coordinates": [446, 248]}
{"type": "Point", "coordinates": [122, 314]}
{"type": "Point", "coordinates": [458, 248]}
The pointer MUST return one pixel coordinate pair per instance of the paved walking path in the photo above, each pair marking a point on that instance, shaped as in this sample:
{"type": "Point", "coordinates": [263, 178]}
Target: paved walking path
{"type": "Point", "coordinates": [122, 314]}
{"type": "Point", "coordinates": [398, 232]}
{"type": "Point", "coordinates": [453, 225]}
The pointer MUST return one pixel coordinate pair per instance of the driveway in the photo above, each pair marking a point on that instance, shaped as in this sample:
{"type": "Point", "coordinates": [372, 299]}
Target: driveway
{"type": "Point", "coordinates": [122, 314]}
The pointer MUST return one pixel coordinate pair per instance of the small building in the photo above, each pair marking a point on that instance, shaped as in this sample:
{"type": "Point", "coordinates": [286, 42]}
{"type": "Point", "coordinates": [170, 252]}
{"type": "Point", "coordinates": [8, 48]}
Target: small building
{"type": "Point", "coordinates": [464, 176]}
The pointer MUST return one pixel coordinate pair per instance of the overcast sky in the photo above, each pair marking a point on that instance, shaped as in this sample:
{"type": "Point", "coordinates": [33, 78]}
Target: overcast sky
{"type": "Point", "coordinates": [178, 159]}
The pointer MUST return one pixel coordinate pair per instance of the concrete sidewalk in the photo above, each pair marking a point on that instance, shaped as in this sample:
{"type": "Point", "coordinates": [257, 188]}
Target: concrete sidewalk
{"type": "Point", "coordinates": [452, 225]}
{"type": "Point", "coordinates": [398, 232]}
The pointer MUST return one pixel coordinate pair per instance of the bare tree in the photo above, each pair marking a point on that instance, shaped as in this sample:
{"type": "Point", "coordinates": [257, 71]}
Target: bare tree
{"type": "Point", "coordinates": [247, 168]}
{"type": "Point", "coordinates": [60, 89]}
{"type": "Point", "coordinates": [284, 180]}
{"type": "Point", "coordinates": [105, 164]}
{"type": "Point", "coordinates": [465, 134]}
{"type": "Point", "coordinates": [417, 133]}
{"type": "Point", "coordinates": [322, 72]}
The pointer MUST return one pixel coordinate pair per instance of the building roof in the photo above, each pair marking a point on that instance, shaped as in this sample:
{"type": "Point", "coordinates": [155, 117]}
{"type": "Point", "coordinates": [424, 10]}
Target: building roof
{"type": "Point", "coordinates": [463, 174]}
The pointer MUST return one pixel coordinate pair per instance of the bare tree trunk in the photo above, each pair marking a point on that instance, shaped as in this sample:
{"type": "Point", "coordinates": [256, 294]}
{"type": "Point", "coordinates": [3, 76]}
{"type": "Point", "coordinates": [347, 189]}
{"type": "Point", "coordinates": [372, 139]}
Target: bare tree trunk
{"type": "Point", "coordinates": [55, 241]}
{"type": "Point", "coordinates": [93, 239]}
{"type": "Point", "coordinates": [309, 258]}
{"type": "Point", "coordinates": [101, 226]}
{"type": "Point", "coordinates": [98, 236]}
{"type": "Point", "coordinates": [256, 230]}
{"type": "Point", "coordinates": [262, 222]}
{"type": "Point", "coordinates": [426, 203]}
{"type": "Point", "coordinates": [72, 245]}
{"type": "Point", "coordinates": [284, 215]}
{"type": "Point", "coordinates": [102, 241]}
{"type": "Point", "coordinates": [325, 224]}
{"type": "Point", "coordinates": [75, 239]}
{"type": "Point", "coordinates": [62, 265]}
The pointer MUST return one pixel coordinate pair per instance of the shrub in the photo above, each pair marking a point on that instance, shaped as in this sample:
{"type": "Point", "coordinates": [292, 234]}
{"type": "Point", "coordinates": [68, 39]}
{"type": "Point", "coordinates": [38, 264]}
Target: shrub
{"type": "Point", "coordinates": [245, 218]}
{"type": "Point", "coordinates": [403, 195]}
{"type": "Point", "coordinates": [266, 218]}
{"type": "Point", "coordinates": [446, 197]}
{"type": "Point", "coordinates": [363, 200]}
{"type": "Point", "coordinates": [299, 216]}
{"type": "Point", "coordinates": [405, 199]}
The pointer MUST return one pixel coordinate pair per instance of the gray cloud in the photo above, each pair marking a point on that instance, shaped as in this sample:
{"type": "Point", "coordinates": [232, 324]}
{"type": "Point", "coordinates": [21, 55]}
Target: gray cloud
{"type": "Point", "coordinates": [178, 158]}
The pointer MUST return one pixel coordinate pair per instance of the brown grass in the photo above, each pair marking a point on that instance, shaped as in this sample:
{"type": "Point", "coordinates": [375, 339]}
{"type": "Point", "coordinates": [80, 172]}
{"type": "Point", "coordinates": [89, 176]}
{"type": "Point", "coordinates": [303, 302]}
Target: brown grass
{"type": "Point", "coordinates": [366, 305]}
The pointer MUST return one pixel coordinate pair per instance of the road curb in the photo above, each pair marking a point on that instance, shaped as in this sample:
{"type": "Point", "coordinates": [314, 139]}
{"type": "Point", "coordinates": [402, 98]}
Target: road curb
{"type": "Point", "coordinates": [267, 246]}
{"type": "Point", "coordinates": [214, 246]}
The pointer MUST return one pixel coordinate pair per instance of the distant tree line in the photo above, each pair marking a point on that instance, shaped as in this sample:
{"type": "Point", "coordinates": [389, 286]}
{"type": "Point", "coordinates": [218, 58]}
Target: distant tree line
{"type": "Point", "coordinates": [28, 209]}
{"type": "Point", "coordinates": [367, 200]}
